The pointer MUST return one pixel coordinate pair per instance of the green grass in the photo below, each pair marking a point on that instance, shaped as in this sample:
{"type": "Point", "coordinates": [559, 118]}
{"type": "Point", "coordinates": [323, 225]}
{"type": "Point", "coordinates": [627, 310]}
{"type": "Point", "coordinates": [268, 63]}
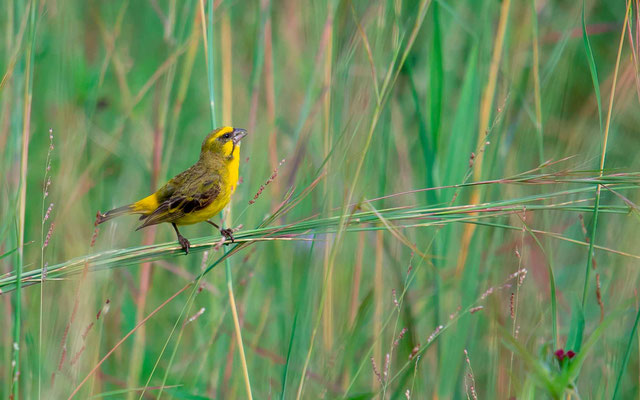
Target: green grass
{"type": "Point", "coordinates": [444, 193]}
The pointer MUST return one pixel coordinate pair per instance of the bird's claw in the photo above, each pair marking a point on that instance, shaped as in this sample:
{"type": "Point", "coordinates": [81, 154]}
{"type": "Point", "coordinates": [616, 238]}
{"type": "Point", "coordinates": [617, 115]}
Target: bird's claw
{"type": "Point", "coordinates": [228, 234]}
{"type": "Point", "coordinates": [184, 242]}
{"type": "Point", "coordinates": [100, 218]}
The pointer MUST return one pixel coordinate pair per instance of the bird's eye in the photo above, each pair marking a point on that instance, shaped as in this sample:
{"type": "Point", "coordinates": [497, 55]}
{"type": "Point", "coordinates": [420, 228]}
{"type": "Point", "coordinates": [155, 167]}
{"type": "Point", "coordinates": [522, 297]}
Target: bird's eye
{"type": "Point", "coordinates": [226, 136]}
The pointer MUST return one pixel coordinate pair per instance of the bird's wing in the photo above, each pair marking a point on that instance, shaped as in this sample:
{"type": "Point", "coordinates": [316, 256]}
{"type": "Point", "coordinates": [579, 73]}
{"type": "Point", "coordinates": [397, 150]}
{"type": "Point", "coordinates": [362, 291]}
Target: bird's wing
{"type": "Point", "coordinates": [188, 195]}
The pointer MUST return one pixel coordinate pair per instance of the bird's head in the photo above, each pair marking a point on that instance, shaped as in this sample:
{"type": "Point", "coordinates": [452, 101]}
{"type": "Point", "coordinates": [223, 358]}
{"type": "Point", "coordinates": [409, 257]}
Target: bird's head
{"type": "Point", "coordinates": [223, 142]}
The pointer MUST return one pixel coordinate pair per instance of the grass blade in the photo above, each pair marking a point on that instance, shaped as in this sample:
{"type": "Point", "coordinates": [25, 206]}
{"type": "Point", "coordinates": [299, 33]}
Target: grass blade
{"type": "Point", "coordinates": [627, 355]}
{"type": "Point", "coordinates": [603, 155]}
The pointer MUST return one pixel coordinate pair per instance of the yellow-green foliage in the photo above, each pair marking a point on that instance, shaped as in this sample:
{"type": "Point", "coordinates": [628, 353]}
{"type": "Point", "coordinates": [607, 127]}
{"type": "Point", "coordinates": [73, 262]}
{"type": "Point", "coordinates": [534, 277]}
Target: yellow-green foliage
{"type": "Point", "coordinates": [348, 278]}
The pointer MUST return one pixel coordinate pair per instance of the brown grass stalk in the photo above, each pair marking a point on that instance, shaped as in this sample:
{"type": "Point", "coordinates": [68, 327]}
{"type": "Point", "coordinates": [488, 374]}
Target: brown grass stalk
{"type": "Point", "coordinates": [125, 337]}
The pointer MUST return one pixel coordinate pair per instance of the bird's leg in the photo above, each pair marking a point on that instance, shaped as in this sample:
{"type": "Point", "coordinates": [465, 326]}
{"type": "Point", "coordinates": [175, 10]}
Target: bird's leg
{"type": "Point", "coordinates": [213, 223]}
{"type": "Point", "coordinates": [182, 240]}
{"type": "Point", "coordinates": [227, 233]}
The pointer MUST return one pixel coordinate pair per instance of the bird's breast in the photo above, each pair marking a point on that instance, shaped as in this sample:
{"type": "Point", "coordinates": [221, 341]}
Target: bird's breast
{"type": "Point", "coordinates": [228, 182]}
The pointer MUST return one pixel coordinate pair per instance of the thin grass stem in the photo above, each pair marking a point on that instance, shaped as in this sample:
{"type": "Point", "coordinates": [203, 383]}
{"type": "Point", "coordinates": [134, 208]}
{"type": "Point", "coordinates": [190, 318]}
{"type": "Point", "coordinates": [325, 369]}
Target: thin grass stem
{"type": "Point", "coordinates": [605, 141]}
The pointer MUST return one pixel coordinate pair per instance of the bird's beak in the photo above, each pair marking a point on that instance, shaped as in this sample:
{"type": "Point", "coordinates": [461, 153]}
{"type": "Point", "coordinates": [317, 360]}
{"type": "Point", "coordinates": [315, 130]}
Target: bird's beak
{"type": "Point", "coordinates": [238, 134]}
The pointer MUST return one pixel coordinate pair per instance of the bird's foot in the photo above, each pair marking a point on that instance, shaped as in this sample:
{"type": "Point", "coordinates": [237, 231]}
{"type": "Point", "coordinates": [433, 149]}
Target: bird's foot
{"type": "Point", "coordinates": [184, 242]}
{"type": "Point", "coordinates": [100, 218]}
{"type": "Point", "coordinates": [228, 234]}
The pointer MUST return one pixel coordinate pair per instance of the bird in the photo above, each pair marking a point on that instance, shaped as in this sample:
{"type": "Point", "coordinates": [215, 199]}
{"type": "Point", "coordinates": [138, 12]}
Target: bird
{"type": "Point", "coordinates": [195, 195]}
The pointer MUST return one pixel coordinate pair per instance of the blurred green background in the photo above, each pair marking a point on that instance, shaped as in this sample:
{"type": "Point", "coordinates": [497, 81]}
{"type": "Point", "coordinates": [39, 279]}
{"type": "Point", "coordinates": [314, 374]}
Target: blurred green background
{"type": "Point", "coordinates": [348, 280]}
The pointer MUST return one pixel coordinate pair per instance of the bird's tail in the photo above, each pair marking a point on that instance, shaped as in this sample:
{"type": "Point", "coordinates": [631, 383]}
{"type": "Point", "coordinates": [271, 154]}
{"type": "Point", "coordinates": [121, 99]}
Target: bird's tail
{"type": "Point", "coordinates": [116, 212]}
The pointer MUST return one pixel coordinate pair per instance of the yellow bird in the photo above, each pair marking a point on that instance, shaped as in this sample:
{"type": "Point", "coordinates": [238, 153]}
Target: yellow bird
{"type": "Point", "coordinates": [196, 194]}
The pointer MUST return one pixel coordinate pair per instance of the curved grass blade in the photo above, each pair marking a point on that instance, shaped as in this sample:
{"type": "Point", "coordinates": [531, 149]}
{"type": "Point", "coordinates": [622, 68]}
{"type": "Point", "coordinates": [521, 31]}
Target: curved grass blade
{"type": "Point", "coordinates": [627, 354]}
{"type": "Point", "coordinates": [604, 152]}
